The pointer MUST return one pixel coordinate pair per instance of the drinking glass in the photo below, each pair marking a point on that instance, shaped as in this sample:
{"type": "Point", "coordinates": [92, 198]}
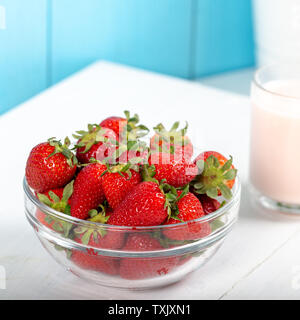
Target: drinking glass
{"type": "Point", "coordinates": [275, 138]}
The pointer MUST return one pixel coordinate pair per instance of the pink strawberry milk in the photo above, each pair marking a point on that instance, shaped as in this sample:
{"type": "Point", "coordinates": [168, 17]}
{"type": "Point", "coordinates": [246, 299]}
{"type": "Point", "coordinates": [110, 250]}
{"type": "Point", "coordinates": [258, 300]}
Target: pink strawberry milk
{"type": "Point", "coordinates": [275, 136]}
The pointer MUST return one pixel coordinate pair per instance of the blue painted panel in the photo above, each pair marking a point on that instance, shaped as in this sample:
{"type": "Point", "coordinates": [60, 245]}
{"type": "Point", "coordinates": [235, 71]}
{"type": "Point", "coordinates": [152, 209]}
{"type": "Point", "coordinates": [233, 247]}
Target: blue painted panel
{"type": "Point", "coordinates": [153, 35]}
{"type": "Point", "coordinates": [47, 40]}
{"type": "Point", "coordinates": [224, 36]}
{"type": "Point", "coordinates": [22, 51]}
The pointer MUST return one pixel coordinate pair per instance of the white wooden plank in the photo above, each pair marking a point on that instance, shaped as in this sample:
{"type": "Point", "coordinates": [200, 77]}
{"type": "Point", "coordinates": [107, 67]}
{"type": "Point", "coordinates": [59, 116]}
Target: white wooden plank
{"type": "Point", "coordinates": [277, 278]}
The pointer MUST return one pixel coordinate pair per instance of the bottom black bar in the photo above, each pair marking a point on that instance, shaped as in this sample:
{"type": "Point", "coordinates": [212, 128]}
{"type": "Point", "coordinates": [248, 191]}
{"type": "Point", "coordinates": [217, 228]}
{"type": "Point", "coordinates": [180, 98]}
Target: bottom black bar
{"type": "Point", "coordinates": [156, 309]}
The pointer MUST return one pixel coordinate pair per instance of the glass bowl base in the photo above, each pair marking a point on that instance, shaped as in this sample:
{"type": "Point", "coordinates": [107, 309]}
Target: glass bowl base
{"type": "Point", "coordinates": [273, 205]}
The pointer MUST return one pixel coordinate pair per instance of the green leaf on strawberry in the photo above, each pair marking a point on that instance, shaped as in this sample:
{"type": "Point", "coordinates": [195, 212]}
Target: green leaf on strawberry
{"type": "Point", "coordinates": [216, 224]}
{"type": "Point", "coordinates": [63, 149]}
{"type": "Point", "coordinates": [216, 175]}
{"type": "Point", "coordinates": [55, 202]}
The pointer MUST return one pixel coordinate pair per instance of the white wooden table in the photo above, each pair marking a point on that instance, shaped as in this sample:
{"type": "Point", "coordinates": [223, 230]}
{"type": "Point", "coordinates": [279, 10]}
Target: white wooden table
{"type": "Point", "coordinates": [260, 257]}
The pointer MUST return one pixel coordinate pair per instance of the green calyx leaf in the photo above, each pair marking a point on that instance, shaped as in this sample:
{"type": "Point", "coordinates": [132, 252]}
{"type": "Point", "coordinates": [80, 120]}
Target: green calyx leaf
{"type": "Point", "coordinates": [48, 219]}
{"type": "Point", "coordinates": [44, 199]}
{"type": "Point", "coordinates": [88, 234]}
{"type": "Point", "coordinates": [226, 192]}
{"type": "Point", "coordinates": [175, 217]}
{"type": "Point", "coordinates": [60, 205]}
{"type": "Point", "coordinates": [166, 140]}
{"type": "Point", "coordinates": [95, 232]}
{"type": "Point", "coordinates": [94, 135]}
{"type": "Point", "coordinates": [133, 131]}
{"type": "Point", "coordinates": [212, 192]}
{"type": "Point", "coordinates": [199, 187]}
{"type": "Point", "coordinates": [68, 191]}
{"type": "Point", "coordinates": [216, 224]}
{"type": "Point", "coordinates": [172, 199]}
{"type": "Point", "coordinates": [227, 164]}
{"type": "Point", "coordinates": [200, 166]}
{"type": "Point", "coordinates": [93, 213]}
{"type": "Point", "coordinates": [63, 149]}
{"type": "Point", "coordinates": [58, 247]}
{"type": "Point", "coordinates": [67, 251]}
{"type": "Point", "coordinates": [100, 216]}
{"type": "Point", "coordinates": [53, 196]}
{"type": "Point", "coordinates": [55, 202]}
{"type": "Point", "coordinates": [59, 225]}
{"type": "Point", "coordinates": [212, 177]}
{"type": "Point", "coordinates": [91, 160]}
{"type": "Point", "coordinates": [122, 169]}
{"type": "Point", "coordinates": [129, 142]}
{"type": "Point", "coordinates": [184, 192]}
{"type": "Point", "coordinates": [148, 172]}
{"type": "Point", "coordinates": [230, 174]}
{"type": "Point", "coordinates": [166, 242]}
{"type": "Point", "coordinates": [129, 152]}
{"type": "Point", "coordinates": [85, 239]}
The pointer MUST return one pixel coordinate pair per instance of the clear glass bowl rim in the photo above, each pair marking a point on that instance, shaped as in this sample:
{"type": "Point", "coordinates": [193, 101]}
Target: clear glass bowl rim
{"type": "Point", "coordinates": [257, 82]}
{"type": "Point", "coordinates": [44, 208]}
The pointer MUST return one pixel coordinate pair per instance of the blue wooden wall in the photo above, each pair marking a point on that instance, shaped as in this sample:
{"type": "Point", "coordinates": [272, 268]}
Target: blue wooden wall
{"type": "Point", "coordinates": [46, 40]}
{"type": "Point", "coordinates": [153, 35]}
{"type": "Point", "coordinates": [23, 51]}
{"type": "Point", "coordinates": [224, 36]}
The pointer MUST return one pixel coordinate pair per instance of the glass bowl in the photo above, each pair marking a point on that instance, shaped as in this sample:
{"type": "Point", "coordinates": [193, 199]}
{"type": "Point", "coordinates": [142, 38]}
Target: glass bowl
{"type": "Point", "coordinates": [108, 263]}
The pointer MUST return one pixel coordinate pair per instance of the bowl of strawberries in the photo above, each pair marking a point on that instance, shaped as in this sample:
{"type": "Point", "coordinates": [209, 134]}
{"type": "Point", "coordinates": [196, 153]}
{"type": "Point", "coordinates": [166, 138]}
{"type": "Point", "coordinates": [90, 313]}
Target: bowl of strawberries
{"type": "Point", "coordinates": [121, 210]}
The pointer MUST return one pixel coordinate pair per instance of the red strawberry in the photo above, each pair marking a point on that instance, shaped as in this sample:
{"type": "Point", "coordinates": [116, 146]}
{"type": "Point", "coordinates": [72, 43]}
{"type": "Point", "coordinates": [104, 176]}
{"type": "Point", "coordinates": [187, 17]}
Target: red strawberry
{"type": "Point", "coordinates": [141, 268]}
{"type": "Point", "coordinates": [144, 205]}
{"type": "Point", "coordinates": [209, 205]}
{"type": "Point", "coordinates": [91, 260]}
{"type": "Point", "coordinates": [183, 259]}
{"type": "Point", "coordinates": [172, 141]}
{"type": "Point", "coordinates": [50, 165]}
{"type": "Point", "coordinates": [88, 192]}
{"type": "Point", "coordinates": [49, 223]}
{"type": "Point", "coordinates": [55, 224]}
{"type": "Point", "coordinates": [217, 175]}
{"type": "Point", "coordinates": [99, 237]}
{"type": "Point", "coordinates": [117, 184]}
{"type": "Point", "coordinates": [125, 129]}
{"type": "Point", "coordinates": [133, 152]}
{"type": "Point", "coordinates": [189, 208]}
{"type": "Point", "coordinates": [116, 124]}
{"type": "Point", "coordinates": [129, 147]}
{"type": "Point", "coordinates": [58, 191]}
{"type": "Point", "coordinates": [139, 156]}
{"type": "Point", "coordinates": [176, 172]}
{"type": "Point", "coordinates": [57, 199]}
{"type": "Point", "coordinates": [97, 143]}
